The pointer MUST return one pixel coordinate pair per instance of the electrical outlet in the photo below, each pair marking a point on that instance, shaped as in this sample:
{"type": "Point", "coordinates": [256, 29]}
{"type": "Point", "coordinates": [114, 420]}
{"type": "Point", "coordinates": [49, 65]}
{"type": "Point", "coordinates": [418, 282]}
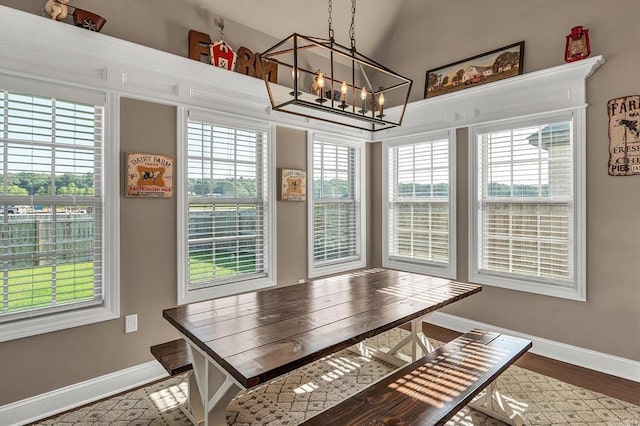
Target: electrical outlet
{"type": "Point", "coordinates": [131, 323]}
{"type": "Point", "coordinates": [302, 281]}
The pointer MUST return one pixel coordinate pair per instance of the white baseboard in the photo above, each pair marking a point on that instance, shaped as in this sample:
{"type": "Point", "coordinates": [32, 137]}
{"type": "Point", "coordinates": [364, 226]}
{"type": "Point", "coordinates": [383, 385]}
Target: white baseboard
{"type": "Point", "coordinates": [59, 400]}
{"type": "Point", "coordinates": [587, 358]}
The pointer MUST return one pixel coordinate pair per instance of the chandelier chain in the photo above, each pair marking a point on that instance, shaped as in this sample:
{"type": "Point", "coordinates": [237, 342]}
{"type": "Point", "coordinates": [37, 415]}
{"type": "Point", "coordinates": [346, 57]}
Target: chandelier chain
{"type": "Point", "coordinates": [352, 29]}
{"type": "Point", "coordinates": [330, 20]}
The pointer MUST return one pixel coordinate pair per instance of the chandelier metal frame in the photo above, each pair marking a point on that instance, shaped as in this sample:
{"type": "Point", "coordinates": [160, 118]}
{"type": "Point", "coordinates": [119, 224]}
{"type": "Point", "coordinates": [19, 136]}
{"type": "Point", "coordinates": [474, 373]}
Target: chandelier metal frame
{"type": "Point", "coordinates": [350, 93]}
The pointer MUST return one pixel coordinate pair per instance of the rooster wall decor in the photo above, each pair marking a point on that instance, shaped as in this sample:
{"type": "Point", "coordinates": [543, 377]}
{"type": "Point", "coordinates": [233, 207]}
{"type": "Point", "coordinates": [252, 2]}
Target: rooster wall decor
{"type": "Point", "coordinates": [624, 136]}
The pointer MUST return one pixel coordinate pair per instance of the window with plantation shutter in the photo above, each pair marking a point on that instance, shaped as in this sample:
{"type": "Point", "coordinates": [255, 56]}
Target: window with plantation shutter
{"type": "Point", "coordinates": [52, 209]}
{"type": "Point", "coordinates": [527, 220]}
{"type": "Point", "coordinates": [336, 212]}
{"type": "Point", "coordinates": [420, 220]}
{"type": "Point", "coordinates": [227, 207]}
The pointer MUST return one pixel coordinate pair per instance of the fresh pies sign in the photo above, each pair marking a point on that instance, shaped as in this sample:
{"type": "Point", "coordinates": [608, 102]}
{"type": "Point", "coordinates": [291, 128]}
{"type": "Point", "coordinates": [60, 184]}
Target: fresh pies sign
{"type": "Point", "coordinates": [624, 136]}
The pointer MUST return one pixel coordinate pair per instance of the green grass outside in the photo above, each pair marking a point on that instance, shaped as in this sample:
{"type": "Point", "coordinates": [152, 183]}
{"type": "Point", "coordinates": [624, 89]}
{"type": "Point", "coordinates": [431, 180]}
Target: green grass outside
{"type": "Point", "coordinates": [202, 268]}
{"type": "Point", "coordinates": [32, 287]}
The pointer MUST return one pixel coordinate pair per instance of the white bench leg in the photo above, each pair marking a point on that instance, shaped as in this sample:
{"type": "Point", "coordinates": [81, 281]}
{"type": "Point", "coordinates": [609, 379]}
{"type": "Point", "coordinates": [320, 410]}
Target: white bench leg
{"type": "Point", "coordinates": [491, 403]}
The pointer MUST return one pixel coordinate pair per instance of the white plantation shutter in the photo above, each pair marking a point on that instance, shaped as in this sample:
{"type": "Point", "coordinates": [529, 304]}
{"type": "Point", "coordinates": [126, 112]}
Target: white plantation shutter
{"type": "Point", "coordinates": [51, 200]}
{"type": "Point", "coordinates": [525, 202]}
{"type": "Point", "coordinates": [419, 190]}
{"type": "Point", "coordinates": [336, 203]}
{"type": "Point", "coordinates": [419, 207]}
{"type": "Point", "coordinates": [227, 196]}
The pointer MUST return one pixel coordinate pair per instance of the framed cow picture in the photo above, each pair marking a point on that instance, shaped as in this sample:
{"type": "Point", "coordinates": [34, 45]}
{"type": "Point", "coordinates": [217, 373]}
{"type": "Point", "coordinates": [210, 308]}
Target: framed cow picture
{"type": "Point", "coordinates": [481, 69]}
{"type": "Point", "coordinates": [149, 175]}
{"type": "Point", "coordinates": [293, 185]}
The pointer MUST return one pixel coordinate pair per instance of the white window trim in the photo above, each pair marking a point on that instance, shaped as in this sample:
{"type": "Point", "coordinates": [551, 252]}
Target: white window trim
{"type": "Point", "coordinates": [186, 295]}
{"type": "Point", "coordinates": [579, 289]}
{"type": "Point", "coordinates": [361, 260]}
{"type": "Point", "coordinates": [110, 309]}
{"type": "Point", "coordinates": [450, 270]}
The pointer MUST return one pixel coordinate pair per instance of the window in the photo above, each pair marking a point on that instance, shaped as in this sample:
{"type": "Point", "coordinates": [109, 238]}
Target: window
{"type": "Point", "coordinates": [227, 220]}
{"type": "Point", "coordinates": [419, 223]}
{"type": "Point", "coordinates": [336, 207]}
{"type": "Point", "coordinates": [528, 202]}
{"type": "Point", "coordinates": [59, 261]}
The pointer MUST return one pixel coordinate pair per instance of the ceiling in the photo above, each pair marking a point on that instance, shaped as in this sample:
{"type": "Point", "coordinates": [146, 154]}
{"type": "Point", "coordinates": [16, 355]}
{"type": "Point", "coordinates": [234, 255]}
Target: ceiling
{"type": "Point", "coordinates": [280, 18]}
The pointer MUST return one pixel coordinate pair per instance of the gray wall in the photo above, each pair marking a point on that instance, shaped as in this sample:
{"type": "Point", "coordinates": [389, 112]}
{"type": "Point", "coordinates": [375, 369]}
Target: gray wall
{"type": "Point", "coordinates": [609, 321]}
{"type": "Point", "coordinates": [447, 31]}
{"type": "Point", "coordinates": [291, 153]}
{"type": "Point", "coordinates": [160, 24]}
{"type": "Point", "coordinates": [42, 363]}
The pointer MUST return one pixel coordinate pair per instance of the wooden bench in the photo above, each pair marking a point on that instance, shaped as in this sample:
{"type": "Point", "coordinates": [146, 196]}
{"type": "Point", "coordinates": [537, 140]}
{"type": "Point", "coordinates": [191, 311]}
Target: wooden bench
{"type": "Point", "coordinates": [434, 388]}
{"type": "Point", "coordinates": [173, 356]}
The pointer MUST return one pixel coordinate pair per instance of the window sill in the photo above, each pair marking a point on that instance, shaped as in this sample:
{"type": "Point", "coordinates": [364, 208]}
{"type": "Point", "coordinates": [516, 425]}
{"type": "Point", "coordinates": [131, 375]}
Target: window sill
{"type": "Point", "coordinates": [54, 322]}
{"type": "Point", "coordinates": [443, 271]}
{"type": "Point", "coordinates": [336, 268]}
{"type": "Point", "coordinates": [230, 289]}
{"type": "Point", "coordinates": [577, 293]}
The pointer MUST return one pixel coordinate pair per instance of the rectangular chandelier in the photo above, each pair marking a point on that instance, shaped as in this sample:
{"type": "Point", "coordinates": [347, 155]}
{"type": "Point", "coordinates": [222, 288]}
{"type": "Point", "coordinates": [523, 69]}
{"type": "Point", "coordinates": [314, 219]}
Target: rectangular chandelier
{"type": "Point", "coordinates": [324, 80]}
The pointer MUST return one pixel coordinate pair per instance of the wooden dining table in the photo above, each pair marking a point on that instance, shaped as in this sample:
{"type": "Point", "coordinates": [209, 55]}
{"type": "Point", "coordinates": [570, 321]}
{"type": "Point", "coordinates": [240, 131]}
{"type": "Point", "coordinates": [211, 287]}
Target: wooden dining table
{"type": "Point", "coordinates": [240, 342]}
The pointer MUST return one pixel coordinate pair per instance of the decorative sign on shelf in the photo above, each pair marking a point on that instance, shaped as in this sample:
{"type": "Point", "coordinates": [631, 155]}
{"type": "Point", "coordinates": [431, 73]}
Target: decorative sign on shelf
{"type": "Point", "coordinates": [149, 175]}
{"type": "Point", "coordinates": [624, 136]}
{"type": "Point", "coordinates": [58, 10]}
{"type": "Point", "coordinates": [293, 185]}
{"type": "Point", "coordinates": [247, 62]}
{"type": "Point", "coordinates": [488, 67]}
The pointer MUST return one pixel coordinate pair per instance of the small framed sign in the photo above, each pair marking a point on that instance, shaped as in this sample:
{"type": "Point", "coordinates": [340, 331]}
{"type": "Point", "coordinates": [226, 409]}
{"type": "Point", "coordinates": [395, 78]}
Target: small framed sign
{"type": "Point", "coordinates": [293, 185]}
{"type": "Point", "coordinates": [149, 175]}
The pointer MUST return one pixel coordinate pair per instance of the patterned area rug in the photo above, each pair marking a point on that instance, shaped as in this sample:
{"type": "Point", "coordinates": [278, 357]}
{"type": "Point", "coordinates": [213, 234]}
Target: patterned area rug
{"type": "Point", "coordinates": [291, 399]}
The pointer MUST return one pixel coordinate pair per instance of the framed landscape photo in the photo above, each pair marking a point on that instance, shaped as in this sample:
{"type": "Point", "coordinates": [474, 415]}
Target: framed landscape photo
{"type": "Point", "coordinates": [488, 67]}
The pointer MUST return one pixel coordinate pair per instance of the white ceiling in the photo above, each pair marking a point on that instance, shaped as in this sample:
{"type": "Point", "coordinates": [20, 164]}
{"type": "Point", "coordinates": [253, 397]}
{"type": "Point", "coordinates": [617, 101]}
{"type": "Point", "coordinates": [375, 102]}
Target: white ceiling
{"type": "Point", "coordinates": [280, 18]}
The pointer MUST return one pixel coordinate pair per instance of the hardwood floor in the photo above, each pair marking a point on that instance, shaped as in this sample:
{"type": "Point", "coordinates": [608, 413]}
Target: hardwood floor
{"type": "Point", "coordinates": [625, 390]}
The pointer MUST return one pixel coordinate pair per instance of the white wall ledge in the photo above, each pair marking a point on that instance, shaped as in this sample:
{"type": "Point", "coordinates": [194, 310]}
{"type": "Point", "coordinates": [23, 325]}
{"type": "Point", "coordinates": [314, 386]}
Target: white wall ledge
{"type": "Point", "coordinates": [31, 45]}
{"type": "Point", "coordinates": [553, 89]}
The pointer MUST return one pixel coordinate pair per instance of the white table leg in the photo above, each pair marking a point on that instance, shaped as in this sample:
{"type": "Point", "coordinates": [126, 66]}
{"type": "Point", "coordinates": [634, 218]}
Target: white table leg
{"type": "Point", "coordinates": [420, 346]}
{"type": "Point", "coordinates": [211, 389]}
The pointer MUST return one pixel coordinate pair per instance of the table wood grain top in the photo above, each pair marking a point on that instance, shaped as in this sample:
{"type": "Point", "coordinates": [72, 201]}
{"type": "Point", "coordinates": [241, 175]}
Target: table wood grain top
{"type": "Point", "coordinates": [261, 335]}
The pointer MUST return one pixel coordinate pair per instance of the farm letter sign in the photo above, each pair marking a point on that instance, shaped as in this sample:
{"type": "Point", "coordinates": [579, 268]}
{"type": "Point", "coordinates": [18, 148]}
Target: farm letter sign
{"type": "Point", "coordinates": [624, 136]}
{"type": "Point", "coordinates": [149, 175]}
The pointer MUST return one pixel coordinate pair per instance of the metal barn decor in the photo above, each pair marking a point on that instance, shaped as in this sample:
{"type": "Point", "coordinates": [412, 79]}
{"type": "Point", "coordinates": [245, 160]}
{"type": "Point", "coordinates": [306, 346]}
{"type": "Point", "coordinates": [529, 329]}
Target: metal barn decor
{"type": "Point", "coordinates": [222, 55]}
{"type": "Point", "coordinates": [322, 79]}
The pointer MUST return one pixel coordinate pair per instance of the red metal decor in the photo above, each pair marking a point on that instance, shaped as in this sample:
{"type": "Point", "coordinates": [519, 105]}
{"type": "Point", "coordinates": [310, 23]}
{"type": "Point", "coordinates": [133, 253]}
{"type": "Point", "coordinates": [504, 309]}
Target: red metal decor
{"type": "Point", "coordinates": [223, 56]}
{"type": "Point", "coordinates": [577, 45]}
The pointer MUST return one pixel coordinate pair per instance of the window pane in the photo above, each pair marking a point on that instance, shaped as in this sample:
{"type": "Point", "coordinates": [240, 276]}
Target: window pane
{"type": "Point", "coordinates": [419, 204]}
{"type": "Point", "coordinates": [227, 199]}
{"type": "Point", "coordinates": [336, 209]}
{"type": "Point", "coordinates": [51, 247]}
{"type": "Point", "coordinates": [526, 208]}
